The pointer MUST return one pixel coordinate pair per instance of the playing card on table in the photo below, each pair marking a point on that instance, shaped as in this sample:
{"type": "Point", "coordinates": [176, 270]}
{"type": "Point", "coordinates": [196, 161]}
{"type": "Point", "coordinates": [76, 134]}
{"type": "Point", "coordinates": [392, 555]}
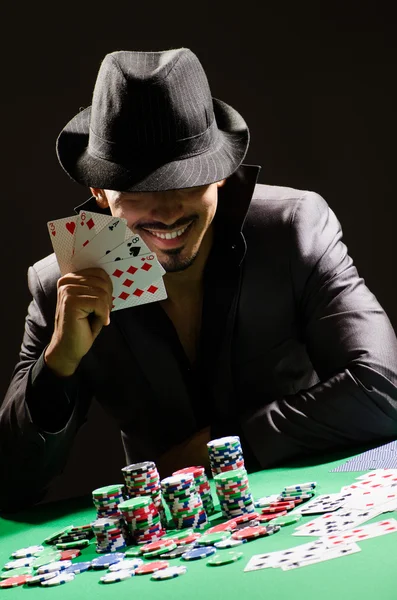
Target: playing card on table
{"type": "Point", "coordinates": [278, 558]}
{"type": "Point", "coordinates": [358, 534]}
{"type": "Point", "coordinates": [323, 504]}
{"type": "Point", "coordinates": [336, 522]}
{"type": "Point", "coordinates": [329, 554]}
{"type": "Point", "coordinates": [62, 238]}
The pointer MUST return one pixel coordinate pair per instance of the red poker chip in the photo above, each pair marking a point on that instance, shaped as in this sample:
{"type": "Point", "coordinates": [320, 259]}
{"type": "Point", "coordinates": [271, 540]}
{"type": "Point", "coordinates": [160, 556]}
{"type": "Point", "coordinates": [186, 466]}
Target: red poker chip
{"type": "Point", "coordinates": [227, 526]}
{"type": "Point", "coordinates": [270, 516]}
{"type": "Point", "coordinates": [188, 540]}
{"type": "Point", "coordinates": [14, 581]}
{"type": "Point", "coordinates": [69, 554]}
{"type": "Point", "coordinates": [151, 547]}
{"type": "Point", "coordinates": [250, 533]}
{"type": "Point", "coordinates": [195, 471]}
{"type": "Point", "coordinates": [274, 509]}
{"type": "Point", "coordinates": [152, 567]}
{"type": "Point", "coordinates": [246, 517]}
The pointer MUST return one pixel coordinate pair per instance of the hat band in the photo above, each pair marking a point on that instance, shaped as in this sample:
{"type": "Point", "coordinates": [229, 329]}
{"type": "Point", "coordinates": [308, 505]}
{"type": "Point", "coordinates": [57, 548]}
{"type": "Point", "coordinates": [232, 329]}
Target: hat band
{"type": "Point", "coordinates": [154, 149]}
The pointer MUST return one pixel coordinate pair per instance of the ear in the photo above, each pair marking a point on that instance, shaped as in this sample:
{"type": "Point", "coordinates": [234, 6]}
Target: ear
{"type": "Point", "coordinates": [221, 183]}
{"type": "Point", "coordinates": [100, 197]}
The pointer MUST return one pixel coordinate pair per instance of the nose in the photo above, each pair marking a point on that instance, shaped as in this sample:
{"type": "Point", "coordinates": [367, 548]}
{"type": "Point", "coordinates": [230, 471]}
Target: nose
{"type": "Point", "coordinates": [168, 208]}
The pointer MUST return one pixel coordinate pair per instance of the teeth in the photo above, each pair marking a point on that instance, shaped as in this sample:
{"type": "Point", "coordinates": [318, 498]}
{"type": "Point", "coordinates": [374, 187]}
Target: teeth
{"type": "Point", "coordinates": [168, 236]}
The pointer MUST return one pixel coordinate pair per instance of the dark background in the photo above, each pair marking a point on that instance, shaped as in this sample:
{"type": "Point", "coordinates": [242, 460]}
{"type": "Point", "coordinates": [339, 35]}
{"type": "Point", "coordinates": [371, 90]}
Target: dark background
{"type": "Point", "coordinates": [316, 85]}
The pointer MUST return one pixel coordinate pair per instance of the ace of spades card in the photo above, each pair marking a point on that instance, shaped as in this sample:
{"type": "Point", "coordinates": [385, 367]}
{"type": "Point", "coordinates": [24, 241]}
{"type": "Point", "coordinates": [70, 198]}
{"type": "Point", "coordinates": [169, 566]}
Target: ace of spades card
{"type": "Point", "coordinates": [97, 240]}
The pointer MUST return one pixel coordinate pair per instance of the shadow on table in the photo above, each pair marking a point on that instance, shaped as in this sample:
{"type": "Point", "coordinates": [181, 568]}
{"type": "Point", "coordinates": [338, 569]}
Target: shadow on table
{"type": "Point", "coordinates": [42, 513]}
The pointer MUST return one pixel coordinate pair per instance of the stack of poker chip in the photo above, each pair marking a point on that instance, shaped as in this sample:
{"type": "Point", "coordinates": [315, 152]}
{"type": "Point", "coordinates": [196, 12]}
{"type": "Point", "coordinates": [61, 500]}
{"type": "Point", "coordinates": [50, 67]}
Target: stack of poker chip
{"type": "Point", "coordinates": [235, 498]}
{"type": "Point", "coordinates": [143, 479]}
{"type": "Point", "coordinates": [225, 454]}
{"type": "Point", "coordinates": [201, 484]}
{"type": "Point", "coordinates": [184, 501]}
{"type": "Point", "coordinates": [143, 519]}
{"type": "Point", "coordinates": [110, 534]}
{"type": "Point", "coordinates": [107, 499]}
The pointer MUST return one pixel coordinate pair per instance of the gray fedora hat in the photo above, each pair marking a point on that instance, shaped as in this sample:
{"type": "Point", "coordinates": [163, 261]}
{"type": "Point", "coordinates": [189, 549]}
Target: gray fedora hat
{"type": "Point", "coordinates": [152, 126]}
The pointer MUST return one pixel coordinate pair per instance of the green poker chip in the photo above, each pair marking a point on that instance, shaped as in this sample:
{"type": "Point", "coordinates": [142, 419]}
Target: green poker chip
{"type": "Point", "coordinates": [46, 558]}
{"type": "Point", "coordinates": [16, 572]}
{"type": "Point", "coordinates": [133, 552]}
{"type": "Point", "coordinates": [54, 536]}
{"type": "Point", "coordinates": [224, 558]}
{"type": "Point", "coordinates": [178, 534]}
{"type": "Point", "coordinates": [160, 551]}
{"type": "Point", "coordinates": [209, 539]}
{"type": "Point", "coordinates": [72, 545]}
{"type": "Point", "coordinates": [286, 519]}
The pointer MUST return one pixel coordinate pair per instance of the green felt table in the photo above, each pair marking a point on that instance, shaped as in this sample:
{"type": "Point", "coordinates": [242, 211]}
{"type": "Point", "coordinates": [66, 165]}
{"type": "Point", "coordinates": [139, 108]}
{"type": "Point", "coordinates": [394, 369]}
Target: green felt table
{"type": "Point", "coordinates": [370, 573]}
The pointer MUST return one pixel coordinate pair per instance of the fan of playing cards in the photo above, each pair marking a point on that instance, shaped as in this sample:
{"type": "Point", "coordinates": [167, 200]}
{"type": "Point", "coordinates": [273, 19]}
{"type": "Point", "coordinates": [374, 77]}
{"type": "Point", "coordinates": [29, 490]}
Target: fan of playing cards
{"type": "Point", "coordinates": [95, 240]}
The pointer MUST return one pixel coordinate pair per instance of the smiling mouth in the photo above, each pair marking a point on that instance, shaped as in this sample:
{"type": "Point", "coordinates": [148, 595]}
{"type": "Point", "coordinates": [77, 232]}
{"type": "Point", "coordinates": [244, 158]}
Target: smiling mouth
{"type": "Point", "coordinates": [169, 235]}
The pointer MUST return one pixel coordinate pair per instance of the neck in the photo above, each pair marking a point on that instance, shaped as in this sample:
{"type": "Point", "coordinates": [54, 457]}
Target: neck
{"type": "Point", "coordinates": [188, 282]}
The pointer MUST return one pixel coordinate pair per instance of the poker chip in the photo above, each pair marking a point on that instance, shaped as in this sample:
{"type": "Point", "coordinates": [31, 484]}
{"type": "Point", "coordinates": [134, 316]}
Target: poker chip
{"type": "Point", "coordinates": [104, 562]}
{"type": "Point", "coordinates": [177, 553]}
{"type": "Point", "coordinates": [14, 581]}
{"type": "Point", "coordinates": [16, 572]}
{"type": "Point", "coordinates": [78, 567]}
{"type": "Point", "coordinates": [20, 562]}
{"type": "Point", "coordinates": [235, 498]}
{"type": "Point", "coordinates": [184, 501]}
{"type": "Point", "coordinates": [229, 525]}
{"type": "Point", "coordinates": [70, 545]}
{"type": "Point", "coordinates": [159, 545]}
{"type": "Point", "coordinates": [46, 557]}
{"type": "Point", "coordinates": [132, 563]}
{"type": "Point", "coordinates": [151, 567]}
{"type": "Point", "coordinates": [132, 552]}
{"type": "Point", "coordinates": [287, 519]}
{"type": "Point", "coordinates": [58, 565]}
{"type": "Point", "coordinates": [209, 539]}
{"type": "Point", "coordinates": [160, 551]}
{"type": "Point", "coordinates": [309, 485]}
{"type": "Point", "coordinates": [246, 517]}
{"type": "Point", "coordinates": [271, 516]}
{"type": "Point", "coordinates": [197, 553]}
{"type": "Point", "coordinates": [58, 579]}
{"type": "Point", "coordinates": [115, 576]}
{"type": "Point", "coordinates": [250, 533]}
{"type": "Point", "coordinates": [229, 543]}
{"type": "Point", "coordinates": [201, 485]}
{"type": "Point", "coordinates": [169, 573]}
{"type": "Point", "coordinates": [190, 539]}
{"type": "Point", "coordinates": [54, 536]}
{"type": "Point", "coordinates": [37, 579]}
{"type": "Point", "coordinates": [28, 552]}
{"type": "Point", "coordinates": [69, 554]}
{"type": "Point", "coordinates": [224, 558]}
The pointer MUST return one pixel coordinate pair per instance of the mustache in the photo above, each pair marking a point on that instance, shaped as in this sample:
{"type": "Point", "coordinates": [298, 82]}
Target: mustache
{"type": "Point", "coordinates": [158, 226]}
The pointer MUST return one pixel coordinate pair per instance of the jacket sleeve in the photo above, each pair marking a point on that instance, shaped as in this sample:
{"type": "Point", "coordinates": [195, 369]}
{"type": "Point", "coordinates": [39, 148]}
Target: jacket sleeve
{"type": "Point", "coordinates": [40, 414]}
{"type": "Point", "coordinates": [351, 344]}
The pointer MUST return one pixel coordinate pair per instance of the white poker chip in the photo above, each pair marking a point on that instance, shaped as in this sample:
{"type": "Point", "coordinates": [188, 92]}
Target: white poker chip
{"type": "Point", "coordinates": [20, 562]}
{"type": "Point", "coordinates": [59, 579]}
{"type": "Point", "coordinates": [127, 564]}
{"type": "Point", "coordinates": [29, 551]}
{"type": "Point", "coordinates": [169, 572]}
{"type": "Point", "coordinates": [113, 577]}
{"type": "Point", "coordinates": [57, 565]}
{"type": "Point", "coordinates": [43, 577]}
{"type": "Point", "coordinates": [229, 543]}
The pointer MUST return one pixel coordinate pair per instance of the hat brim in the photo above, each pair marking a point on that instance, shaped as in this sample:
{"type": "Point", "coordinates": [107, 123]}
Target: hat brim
{"type": "Point", "coordinates": [218, 163]}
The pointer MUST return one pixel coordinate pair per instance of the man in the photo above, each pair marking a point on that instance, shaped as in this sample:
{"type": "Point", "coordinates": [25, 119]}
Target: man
{"type": "Point", "coordinates": [267, 332]}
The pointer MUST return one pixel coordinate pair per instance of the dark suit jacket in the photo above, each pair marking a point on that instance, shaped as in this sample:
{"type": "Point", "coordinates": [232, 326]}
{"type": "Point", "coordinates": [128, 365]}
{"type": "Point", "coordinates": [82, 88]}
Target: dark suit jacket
{"type": "Point", "coordinates": [308, 360]}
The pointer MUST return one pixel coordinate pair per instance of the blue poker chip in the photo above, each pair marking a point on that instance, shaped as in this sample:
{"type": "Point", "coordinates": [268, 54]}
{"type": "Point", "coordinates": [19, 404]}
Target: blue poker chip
{"type": "Point", "coordinates": [104, 562]}
{"type": "Point", "coordinates": [197, 553]}
{"type": "Point", "coordinates": [78, 567]}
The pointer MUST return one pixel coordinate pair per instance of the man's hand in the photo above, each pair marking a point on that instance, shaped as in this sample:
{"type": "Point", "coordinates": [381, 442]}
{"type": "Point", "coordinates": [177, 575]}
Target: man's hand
{"type": "Point", "coordinates": [190, 453]}
{"type": "Point", "coordinates": [83, 308]}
